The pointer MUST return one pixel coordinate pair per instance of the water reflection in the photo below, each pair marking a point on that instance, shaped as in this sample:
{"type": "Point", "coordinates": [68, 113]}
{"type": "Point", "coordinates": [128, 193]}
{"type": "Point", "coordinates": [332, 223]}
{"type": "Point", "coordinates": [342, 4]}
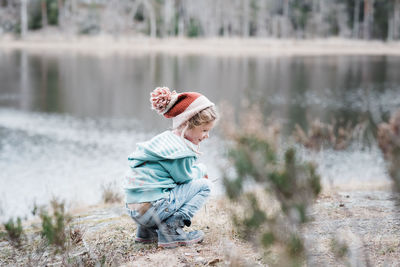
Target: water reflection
{"type": "Point", "coordinates": [293, 89]}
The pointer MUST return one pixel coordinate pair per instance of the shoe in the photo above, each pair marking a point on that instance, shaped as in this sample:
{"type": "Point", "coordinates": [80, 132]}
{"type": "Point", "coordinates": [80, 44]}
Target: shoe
{"type": "Point", "coordinates": [171, 234]}
{"type": "Point", "coordinates": [146, 235]}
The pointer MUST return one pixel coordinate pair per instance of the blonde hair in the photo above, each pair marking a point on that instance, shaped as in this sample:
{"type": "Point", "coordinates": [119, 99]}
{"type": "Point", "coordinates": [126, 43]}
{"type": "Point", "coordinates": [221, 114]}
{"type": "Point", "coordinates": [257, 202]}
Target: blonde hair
{"type": "Point", "coordinates": [205, 116]}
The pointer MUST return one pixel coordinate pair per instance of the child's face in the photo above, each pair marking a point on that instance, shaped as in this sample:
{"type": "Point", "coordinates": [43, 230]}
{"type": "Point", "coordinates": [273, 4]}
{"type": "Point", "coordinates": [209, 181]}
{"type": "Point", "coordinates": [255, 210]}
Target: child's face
{"type": "Point", "coordinates": [199, 133]}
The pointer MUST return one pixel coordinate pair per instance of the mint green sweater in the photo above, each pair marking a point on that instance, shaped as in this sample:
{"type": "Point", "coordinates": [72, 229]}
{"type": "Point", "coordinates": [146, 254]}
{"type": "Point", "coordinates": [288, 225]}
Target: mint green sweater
{"type": "Point", "coordinates": [158, 165]}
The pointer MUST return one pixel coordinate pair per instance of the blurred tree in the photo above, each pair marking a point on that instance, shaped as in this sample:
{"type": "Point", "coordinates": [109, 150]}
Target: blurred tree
{"type": "Point", "coordinates": [394, 20]}
{"type": "Point", "coordinates": [45, 22]}
{"type": "Point", "coordinates": [262, 18]}
{"type": "Point", "coordinates": [301, 13]}
{"type": "Point", "coordinates": [194, 28]}
{"type": "Point", "coordinates": [286, 19]}
{"type": "Point", "coordinates": [60, 5]}
{"type": "Point", "coordinates": [52, 12]}
{"type": "Point", "coordinates": [180, 25]}
{"type": "Point", "coordinates": [24, 18]}
{"type": "Point", "coordinates": [356, 19]}
{"type": "Point", "coordinates": [149, 7]}
{"type": "Point", "coordinates": [167, 17]}
{"type": "Point", "coordinates": [245, 18]}
{"type": "Point", "coordinates": [366, 19]}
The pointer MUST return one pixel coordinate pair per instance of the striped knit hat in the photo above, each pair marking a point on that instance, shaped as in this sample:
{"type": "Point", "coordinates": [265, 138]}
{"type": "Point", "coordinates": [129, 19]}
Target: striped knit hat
{"type": "Point", "coordinates": [180, 107]}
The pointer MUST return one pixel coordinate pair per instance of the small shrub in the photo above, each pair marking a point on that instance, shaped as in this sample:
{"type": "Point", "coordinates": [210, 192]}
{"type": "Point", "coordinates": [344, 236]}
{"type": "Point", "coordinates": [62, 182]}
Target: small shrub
{"type": "Point", "coordinates": [110, 193]}
{"type": "Point", "coordinates": [14, 231]}
{"type": "Point", "coordinates": [324, 135]}
{"type": "Point", "coordinates": [389, 143]}
{"type": "Point", "coordinates": [291, 185]}
{"type": "Point", "coordinates": [54, 225]}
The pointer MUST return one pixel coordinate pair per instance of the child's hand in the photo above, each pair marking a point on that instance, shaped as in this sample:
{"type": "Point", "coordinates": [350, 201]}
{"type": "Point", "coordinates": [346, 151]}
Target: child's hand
{"type": "Point", "coordinates": [203, 169]}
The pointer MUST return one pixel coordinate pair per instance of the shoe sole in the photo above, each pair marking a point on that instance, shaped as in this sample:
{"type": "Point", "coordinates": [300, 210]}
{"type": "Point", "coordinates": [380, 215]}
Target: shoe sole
{"type": "Point", "coordinates": [180, 243]}
{"type": "Point", "coordinates": [139, 240]}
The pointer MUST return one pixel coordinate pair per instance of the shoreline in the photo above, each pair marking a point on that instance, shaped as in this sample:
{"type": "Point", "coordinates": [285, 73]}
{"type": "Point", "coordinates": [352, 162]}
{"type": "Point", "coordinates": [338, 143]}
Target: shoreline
{"type": "Point", "coordinates": [213, 46]}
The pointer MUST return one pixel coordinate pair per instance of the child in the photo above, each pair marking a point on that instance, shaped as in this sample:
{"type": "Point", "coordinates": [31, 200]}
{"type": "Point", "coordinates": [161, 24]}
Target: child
{"type": "Point", "coordinates": [164, 187]}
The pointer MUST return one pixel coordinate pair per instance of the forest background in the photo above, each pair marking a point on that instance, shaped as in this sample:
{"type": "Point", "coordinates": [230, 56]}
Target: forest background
{"type": "Point", "coordinates": [300, 19]}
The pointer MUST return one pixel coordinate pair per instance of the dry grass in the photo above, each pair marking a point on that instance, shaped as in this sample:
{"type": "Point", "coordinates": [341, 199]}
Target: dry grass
{"type": "Point", "coordinates": [105, 235]}
{"type": "Point", "coordinates": [111, 193]}
{"type": "Point", "coordinates": [389, 143]}
{"type": "Point", "coordinates": [116, 242]}
{"type": "Point", "coordinates": [329, 135]}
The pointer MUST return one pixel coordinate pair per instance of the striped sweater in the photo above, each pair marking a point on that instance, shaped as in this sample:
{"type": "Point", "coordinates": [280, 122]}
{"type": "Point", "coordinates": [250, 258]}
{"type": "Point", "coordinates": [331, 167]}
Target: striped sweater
{"type": "Point", "coordinates": [158, 165]}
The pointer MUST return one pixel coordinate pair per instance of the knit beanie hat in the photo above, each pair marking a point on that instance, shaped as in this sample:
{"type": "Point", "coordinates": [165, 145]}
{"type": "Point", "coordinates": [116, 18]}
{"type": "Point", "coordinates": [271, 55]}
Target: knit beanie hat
{"type": "Point", "coordinates": [180, 107]}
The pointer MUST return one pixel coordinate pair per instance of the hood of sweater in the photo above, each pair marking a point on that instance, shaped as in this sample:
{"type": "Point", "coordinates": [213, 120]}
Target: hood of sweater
{"type": "Point", "coordinates": [165, 146]}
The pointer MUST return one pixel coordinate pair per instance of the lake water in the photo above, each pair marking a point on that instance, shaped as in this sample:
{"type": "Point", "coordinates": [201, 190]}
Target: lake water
{"type": "Point", "coordinates": [69, 120]}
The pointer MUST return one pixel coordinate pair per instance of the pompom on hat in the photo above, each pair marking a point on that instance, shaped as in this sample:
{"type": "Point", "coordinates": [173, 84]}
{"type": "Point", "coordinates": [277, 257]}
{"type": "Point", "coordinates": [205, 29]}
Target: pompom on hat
{"type": "Point", "coordinates": [180, 107]}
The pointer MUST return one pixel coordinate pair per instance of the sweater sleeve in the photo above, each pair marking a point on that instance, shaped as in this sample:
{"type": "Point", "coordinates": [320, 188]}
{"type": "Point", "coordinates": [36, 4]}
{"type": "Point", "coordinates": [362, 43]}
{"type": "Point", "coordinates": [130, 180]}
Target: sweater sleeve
{"type": "Point", "coordinates": [183, 170]}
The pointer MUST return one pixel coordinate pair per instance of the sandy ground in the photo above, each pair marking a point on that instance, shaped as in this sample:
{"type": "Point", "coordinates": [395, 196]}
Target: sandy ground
{"type": "Point", "coordinates": [108, 237]}
{"type": "Point", "coordinates": [180, 46]}
{"type": "Point", "coordinates": [366, 221]}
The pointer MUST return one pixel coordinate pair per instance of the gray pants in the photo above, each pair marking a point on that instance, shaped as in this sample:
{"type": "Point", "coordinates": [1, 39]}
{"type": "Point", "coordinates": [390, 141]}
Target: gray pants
{"type": "Point", "coordinates": [185, 199]}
